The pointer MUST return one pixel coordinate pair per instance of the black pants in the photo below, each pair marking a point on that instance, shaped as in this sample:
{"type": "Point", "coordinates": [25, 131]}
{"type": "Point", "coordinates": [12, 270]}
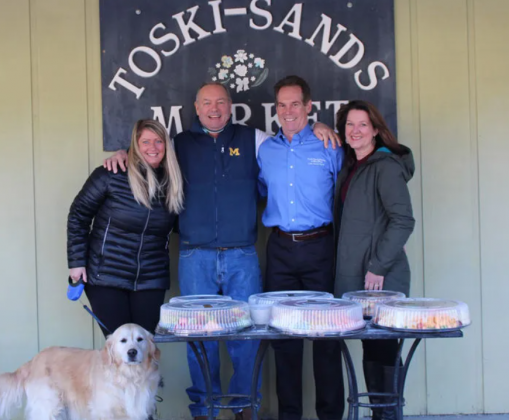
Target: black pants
{"type": "Point", "coordinates": [382, 352]}
{"type": "Point", "coordinates": [116, 307]}
{"type": "Point", "coordinates": [306, 265]}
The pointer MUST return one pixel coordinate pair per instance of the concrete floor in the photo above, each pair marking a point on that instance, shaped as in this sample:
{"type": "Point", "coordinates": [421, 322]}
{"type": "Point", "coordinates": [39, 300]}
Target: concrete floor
{"type": "Point", "coordinates": [462, 417]}
{"type": "Point", "coordinates": [452, 417]}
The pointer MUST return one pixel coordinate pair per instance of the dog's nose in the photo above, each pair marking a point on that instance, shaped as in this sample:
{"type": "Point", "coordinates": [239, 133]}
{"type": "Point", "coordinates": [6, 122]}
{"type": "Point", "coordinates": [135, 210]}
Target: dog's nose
{"type": "Point", "coordinates": [132, 353]}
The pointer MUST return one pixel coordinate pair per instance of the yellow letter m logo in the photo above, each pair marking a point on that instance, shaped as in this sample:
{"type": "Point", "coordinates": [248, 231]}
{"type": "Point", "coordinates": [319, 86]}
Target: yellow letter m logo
{"type": "Point", "coordinates": [234, 152]}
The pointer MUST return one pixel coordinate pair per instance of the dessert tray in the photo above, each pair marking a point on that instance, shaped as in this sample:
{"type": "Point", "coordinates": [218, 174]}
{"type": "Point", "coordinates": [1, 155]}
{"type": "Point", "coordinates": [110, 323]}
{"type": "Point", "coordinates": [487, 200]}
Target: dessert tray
{"type": "Point", "coordinates": [370, 298]}
{"type": "Point", "coordinates": [422, 314]}
{"type": "Point", "coordinates": [317, 317]}
{"type": "Point", "coordinates": [204, 317]}
{"type": "Point", "coordinates": [261, 304]}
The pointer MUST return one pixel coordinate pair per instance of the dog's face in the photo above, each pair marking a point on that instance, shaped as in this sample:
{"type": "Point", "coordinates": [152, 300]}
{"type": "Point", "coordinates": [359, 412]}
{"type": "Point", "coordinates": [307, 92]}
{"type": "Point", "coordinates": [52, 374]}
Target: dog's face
{"type": "Point", "coordinates": [132, 345]}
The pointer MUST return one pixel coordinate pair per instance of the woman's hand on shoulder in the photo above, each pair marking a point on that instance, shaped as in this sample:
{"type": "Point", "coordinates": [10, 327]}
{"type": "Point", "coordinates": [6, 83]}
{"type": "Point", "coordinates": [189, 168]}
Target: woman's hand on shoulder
{"type": "Point", "coordinates": [373, 281]}
{"type": "Point", "coordinates": [78, 272]}
{"type": "Point", "coordinates": [119, 159]}
{"type": "Point", "coordinates": [326, 134]}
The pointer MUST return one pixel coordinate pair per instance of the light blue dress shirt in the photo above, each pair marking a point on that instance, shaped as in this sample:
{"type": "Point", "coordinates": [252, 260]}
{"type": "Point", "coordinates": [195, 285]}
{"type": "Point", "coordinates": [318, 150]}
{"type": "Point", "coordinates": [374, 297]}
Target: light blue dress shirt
{"type": "Point", "coordinates": [298, 178]}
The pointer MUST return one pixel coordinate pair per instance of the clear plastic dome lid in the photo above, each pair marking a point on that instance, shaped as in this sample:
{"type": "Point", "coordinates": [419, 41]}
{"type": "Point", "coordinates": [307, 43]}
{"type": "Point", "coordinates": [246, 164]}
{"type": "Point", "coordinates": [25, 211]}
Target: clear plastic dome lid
{"type": "Point", "coordinates": [190, 298]}
{"type": "Point", "coordinates": [317, 317]}
{"type": "Point", "coordinates": [202, 317]}
{"type": "Point", "coordinates": [261, 303]}
{"type": "Point", "coordinates": [422, 314]}
{"type": "Point", "coordinates": [270, 298]}
{"type": "Point", "coordinates": [370, 298]}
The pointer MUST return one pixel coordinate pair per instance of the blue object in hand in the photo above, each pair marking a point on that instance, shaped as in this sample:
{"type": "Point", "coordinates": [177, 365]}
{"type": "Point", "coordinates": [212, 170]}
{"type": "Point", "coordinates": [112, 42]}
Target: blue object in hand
{"type": "Point", "coordinates": [74, 290]}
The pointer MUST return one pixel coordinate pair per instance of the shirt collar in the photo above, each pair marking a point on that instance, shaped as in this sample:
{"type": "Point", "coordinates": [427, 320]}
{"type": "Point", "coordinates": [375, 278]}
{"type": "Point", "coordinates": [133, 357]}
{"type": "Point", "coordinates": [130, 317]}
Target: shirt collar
{"type": "Point", "coordinates": [302, 135]}
{"type": "Point", "coordinates": [197, 126]}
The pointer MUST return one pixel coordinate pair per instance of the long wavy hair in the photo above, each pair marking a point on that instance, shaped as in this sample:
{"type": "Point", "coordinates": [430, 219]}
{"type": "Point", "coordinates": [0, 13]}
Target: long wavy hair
{"type": "Point", "coordinates": [143, 180]}
{"type": "Point", "coordinates": [384, 138]}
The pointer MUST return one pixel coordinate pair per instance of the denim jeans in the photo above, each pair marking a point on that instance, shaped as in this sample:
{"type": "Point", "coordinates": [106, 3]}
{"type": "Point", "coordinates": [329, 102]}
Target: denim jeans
{"type": "Point", "coordinates": [233, 272]}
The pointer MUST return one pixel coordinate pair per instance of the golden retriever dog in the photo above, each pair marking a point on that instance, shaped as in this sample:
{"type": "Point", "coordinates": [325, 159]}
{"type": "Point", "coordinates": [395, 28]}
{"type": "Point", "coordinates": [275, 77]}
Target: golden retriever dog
{"type": "Point", "coordinates": [118, 382]}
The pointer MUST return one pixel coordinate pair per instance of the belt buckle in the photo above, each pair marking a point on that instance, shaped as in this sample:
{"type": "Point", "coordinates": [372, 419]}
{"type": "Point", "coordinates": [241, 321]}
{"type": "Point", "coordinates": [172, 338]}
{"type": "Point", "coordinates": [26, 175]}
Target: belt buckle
{"type": "Point", "coordinates": [295, 235]}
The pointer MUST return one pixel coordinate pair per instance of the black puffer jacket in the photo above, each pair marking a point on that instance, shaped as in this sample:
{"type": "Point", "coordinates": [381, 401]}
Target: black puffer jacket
{"type": "Point", "coordinates": [374, 223]}
{"type": "Point", "coordinates": [128, 244]}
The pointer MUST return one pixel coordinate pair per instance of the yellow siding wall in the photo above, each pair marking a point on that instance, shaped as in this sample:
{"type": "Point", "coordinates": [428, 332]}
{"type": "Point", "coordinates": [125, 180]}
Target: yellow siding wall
{"type": "Point", "coordinates": [492, 110]}
{"type": "Point", "coordinates": [453, 111]}
{"type": "Point", "coordinates": [18, 300]}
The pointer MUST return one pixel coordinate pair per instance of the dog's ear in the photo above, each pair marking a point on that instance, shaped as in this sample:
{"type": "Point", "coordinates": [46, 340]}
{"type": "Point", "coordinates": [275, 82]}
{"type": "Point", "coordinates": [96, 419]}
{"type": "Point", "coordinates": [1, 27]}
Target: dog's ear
{"type": "Point", "coordinates": [107, 351]}
{"type": "Point", "coordinates": [153, 351]}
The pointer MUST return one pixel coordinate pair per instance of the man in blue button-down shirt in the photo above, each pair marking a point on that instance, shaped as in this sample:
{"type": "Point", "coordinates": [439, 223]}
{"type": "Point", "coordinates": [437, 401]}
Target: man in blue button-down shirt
{"type": "Point", "coordinates": [298, 175]}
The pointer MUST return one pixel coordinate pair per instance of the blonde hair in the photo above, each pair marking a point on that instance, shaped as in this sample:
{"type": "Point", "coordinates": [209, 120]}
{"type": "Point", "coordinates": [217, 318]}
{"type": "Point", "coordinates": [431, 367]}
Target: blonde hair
{"type": "Point", "coordinates": [142, 179]}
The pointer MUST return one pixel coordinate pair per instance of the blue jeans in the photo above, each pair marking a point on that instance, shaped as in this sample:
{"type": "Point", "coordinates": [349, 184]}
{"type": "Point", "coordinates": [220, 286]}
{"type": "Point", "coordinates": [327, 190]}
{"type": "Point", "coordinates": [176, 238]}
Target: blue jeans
{"type": "Point", "coordinates": [234, 272]}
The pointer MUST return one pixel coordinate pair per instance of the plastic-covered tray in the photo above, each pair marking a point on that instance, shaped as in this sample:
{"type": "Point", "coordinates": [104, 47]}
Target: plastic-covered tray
{"type": "Point", "coordinates": [317, 317]}
{"type": "Point", "coordinates": [261, 304]}
{"type": "Point", "coordinates": [204, 317]}
{"type": "Point", "coordinates": [370, 298]}
{"type": "Point", "coordinates": [192, 298]}
{"type": "Point", "coordinates": [421, 315]}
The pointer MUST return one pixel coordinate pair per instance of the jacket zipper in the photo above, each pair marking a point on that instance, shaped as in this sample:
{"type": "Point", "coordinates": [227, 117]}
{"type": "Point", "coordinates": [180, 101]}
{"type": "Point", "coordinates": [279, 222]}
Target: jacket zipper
{"type": "Point", "coordinates": [104, 243]}
{"type": "Point", "coordinates": [139, 252]}
{"type": "Point", "coordinates": [355, 176]}
{"type": "Point", "coordinates": [215, 186]}
{"type": "Point", "coordinates": [105, 235]}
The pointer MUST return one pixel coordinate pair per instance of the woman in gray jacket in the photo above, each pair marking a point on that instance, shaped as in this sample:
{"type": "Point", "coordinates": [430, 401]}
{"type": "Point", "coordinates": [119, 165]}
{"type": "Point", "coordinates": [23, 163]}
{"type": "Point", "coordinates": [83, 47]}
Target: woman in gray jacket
{"type": "Point", "coordinates": [373, 221]}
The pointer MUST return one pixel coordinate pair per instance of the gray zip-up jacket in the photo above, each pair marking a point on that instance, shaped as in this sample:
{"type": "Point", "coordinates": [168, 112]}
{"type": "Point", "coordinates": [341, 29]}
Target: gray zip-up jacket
{"type": "Point", "coordinates": [374, 223]}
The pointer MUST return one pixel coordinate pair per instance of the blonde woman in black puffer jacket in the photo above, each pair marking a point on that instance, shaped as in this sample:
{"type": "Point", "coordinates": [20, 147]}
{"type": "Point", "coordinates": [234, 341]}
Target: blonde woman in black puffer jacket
{"type": "Point", "coordinates": [124, 257]}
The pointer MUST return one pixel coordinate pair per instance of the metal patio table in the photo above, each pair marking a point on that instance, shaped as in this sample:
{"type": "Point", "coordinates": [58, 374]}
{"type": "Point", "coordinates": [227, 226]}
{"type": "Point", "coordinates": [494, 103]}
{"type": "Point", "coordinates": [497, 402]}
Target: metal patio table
{"type": "Point", "coordinates": [266, 335]}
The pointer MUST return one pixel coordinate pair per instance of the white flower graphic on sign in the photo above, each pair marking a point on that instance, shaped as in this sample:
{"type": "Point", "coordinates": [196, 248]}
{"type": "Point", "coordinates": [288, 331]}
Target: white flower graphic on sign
{"type": "Point", "coordinates": [240, 70]}
{"type": "Point", "coordinates": [227, 61]}
{"type": "Point", "coordinates": [259, 62]}
{"type": "Point", "coordinates": [242, 84]}
{"type": "Point", "coordinates": [241, 56]}
{"type": "Point", "coordinates": [223, 74]}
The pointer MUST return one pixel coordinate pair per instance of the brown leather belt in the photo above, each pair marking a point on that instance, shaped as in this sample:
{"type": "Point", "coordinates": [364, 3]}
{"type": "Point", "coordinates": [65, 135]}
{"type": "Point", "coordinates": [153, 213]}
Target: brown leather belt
{"type": "Point", "coordinates": [306, 235]}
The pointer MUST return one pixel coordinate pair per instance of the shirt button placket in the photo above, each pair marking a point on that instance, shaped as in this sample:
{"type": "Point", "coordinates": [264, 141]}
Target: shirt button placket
{"type": "Point", "coordinates": [291, 187]}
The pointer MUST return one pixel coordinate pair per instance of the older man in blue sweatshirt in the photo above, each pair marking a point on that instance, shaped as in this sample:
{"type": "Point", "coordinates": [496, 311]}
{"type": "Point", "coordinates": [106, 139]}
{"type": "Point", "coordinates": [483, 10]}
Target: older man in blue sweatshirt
{"type": "Point", "coordinates": [218, 228]}
{"type": "Point", "coordinates": [298, 176]}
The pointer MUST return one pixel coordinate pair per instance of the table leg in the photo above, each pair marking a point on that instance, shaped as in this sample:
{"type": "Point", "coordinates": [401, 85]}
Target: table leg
{"type": "Point", "coordinates": [353, 391]}
{"type": "Point", "coordinates": [400, 374]}
{"type": "Point", "coordinates": [398, 383]}
{"type": "Point", "coordinates": [201, 356]}
{"type": "Point", "coordinates": [260, 354]}
{"type": "Point", "coordinates": [204, 366]}
{"type": "Point", "coordinates": [396, 394]}
{"type": "Point", "coordinates": [208, 380]}
{"type": "Point", "coordinates": [400, 377]}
